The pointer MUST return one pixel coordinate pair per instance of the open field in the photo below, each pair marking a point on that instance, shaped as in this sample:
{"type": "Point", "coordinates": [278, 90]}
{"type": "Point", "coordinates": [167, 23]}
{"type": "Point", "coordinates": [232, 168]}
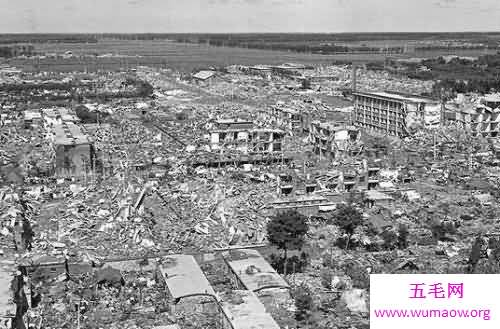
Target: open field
{"type": "Point", "coordinates": [182, 57]}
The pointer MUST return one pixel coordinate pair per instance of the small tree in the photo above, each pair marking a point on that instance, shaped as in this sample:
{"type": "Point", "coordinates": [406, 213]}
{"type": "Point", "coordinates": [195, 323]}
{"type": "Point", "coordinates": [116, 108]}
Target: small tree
{"type": "Point", "coordinates": [304, 303]}
{"type": "Point", "coordinates": [437, 230]}
{"type": "Point", "coordinates": [403, 237]}
{"type": "Point", "coordinates": [475, 254]}
{"type": "Point", "coordinates": [326, 278]}
{"type": "Point", "coordinates": [390, 239]}
{"type": "Point", "coordinates": [306, 84]}
{"type": "Point", "coordinates": [287, 231]}
{"type": "Point", "coordinates": [348, 218]}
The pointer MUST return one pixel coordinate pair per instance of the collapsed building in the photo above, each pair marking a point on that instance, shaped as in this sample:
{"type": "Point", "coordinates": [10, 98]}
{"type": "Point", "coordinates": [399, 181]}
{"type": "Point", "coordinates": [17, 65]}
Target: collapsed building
{"type": "Point", "coordinates": [288, 118]}
{"type": "Point", "coordinates": [204, 77]}
{"type": "Point", "coordinates": [16, 236]}
{"type": "Point", "coordinates": [107, 223]}
{"type": "Point", "coordinates": [331, 140]}
{"type": "Point", "coordinates": [480, 115]}
{"type": "Point", "coordinates": [8, 307]}
{"type": "Point", "coordinates": [244, 137]}
{"type": "Point", "coordinates": [394, 114]}
{"type": "Point", "coordinates": [236, 142]}
{"type": "Point", "coordinates": [32, 119]}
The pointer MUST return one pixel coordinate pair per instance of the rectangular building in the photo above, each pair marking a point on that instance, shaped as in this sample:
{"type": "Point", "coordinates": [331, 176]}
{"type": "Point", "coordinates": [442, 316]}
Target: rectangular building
{"type": "Point", "coordinates": [252, 272]}
{"type": "Point", "coordinates": [73, 148]}
{"type": "Point", "coordinates": [242, 309]}
{"type": "Point", "coordinates": [57, 115]}
{"type": "Point", "coordinates": [184, 277]}
{"type": "Point", "coordinates": [308, 205]}
{"type": "Point", "coordinates": [394, 114]}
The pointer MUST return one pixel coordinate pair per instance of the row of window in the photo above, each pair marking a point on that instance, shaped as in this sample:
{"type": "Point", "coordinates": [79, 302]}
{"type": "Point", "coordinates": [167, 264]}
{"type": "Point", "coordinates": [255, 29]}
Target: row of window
{"type": "Point", "coordinates": [378, 121]}
{"type": "Point", "coordinates": [381, 112]}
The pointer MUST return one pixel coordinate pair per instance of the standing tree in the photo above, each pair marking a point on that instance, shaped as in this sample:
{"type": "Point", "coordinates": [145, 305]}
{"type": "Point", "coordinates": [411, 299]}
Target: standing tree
{"type": "Point", "coordinates": [475, 254]}
{"type": "Point", "coordinates": [287, 231]}
{"type": "Point", "coordinates": [347, 217]}
{"type": "Point", "coordinates": [304, 303]}
{"type": "Point", "coordinates": [390, 239]}
{"type": "Point", "coordinates": [403, 236]}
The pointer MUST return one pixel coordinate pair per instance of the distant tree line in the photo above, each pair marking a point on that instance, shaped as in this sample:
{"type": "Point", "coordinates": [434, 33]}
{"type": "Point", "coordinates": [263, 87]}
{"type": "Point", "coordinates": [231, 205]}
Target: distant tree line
{"type": "Point", "coordinates": [456, 75]}
{"type": "Point", "coordinates": [47, 38]}
{"type": "Point", "coordinates": [144, 88]}
{"type": "Point", "coordinates": [483, 38]}
{"type": "Point", "coordinates": [141, 89]}
{"type": "Point", "coordinates": [294, 46]}
{"type": "Point", "coordinates": [16, 50]}
{"type": "Point", "coordinates": [36, 86]}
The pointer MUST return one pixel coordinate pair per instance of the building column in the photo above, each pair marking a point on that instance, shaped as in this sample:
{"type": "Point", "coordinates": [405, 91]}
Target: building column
{"type": "Point", "coordinates": [388, 116]}
{"type": "Point", "coordinates": [364, 111]}
{"type": "Point", "coordinates": [372, 110]}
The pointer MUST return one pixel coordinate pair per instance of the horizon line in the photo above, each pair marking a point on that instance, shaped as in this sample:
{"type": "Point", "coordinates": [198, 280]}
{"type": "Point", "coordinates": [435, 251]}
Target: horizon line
{"type": "Point", "coordinates": [373, 32]}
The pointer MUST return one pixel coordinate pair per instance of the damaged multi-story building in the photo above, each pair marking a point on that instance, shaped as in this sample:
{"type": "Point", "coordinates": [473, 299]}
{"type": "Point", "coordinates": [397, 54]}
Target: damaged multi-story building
{"type": "Point", "coordinates": [288, 118]}
{"type": "Point", "coordinates": [331, 140]}
{"type": "Point", "coordinates": [481, 115]}
{"type": "Point", "coordinates": [74, 151]}
{"type": "Point", "coordinates": [393, 113]}
{"type": "Point", "coordinates": [243, 136]}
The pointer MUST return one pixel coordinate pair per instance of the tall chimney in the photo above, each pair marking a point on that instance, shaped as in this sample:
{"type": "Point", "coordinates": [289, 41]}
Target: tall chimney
{"type": "Point", "coordinates": [353, 77]}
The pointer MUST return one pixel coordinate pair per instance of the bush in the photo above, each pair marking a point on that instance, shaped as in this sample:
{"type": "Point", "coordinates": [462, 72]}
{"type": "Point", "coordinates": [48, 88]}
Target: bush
{"type": "Point", "coordinates": [390, 239]}
{"type": "Point", "coordinates": [358, 274]}
{"type": "Point", "coordinates": [287, 231]}
{"type": "Point", "coordinates": [303, 302]}
{"type": "Point", "coordinates": [403, 234]}
{"type": "Point", "coordinates": [294, 264]}
{"type": "Point", "coordinates": [344, 242]}
{"type": "Point", "coordinates": [475, 254]}
{"type": "Point", "coordinates": [326, 278]}
{"type": "Point", "coordinates": [347, 217]}
{"type": "Point", "coordinates": [181, 116]}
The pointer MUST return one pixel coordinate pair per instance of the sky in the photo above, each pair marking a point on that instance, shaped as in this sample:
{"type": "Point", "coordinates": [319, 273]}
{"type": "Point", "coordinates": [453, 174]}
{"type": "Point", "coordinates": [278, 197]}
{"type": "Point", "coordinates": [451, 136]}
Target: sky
{"type": "Point", "coordinates": [240, 16]}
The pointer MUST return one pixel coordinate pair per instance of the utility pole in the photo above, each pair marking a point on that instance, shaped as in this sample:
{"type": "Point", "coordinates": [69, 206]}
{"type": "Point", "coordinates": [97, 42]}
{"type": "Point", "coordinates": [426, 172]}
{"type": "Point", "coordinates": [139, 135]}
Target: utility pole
{"type": "Point", "coordinates": [434, 142]}
{"type": "Point", "coordinates": [78, 315]}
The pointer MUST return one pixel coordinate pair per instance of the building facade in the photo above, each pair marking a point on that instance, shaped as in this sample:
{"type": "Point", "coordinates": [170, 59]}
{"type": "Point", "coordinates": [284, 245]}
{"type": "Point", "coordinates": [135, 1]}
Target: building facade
{"type": "Point", "coordinates": [242, 136]}
{"type": "Point", "coordinates": [74, 150]}
{"type": "Point", "coordinates": [394, 114]}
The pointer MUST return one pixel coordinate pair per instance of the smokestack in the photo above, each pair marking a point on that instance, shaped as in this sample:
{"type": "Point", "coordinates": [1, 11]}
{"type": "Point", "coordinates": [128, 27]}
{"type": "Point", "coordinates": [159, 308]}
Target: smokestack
{"type": "Point", "coordinates": [353, 77]}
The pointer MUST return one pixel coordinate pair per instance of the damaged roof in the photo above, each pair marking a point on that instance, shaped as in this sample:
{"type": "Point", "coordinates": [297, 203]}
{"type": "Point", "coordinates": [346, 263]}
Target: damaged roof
{"type": "Point", "coordinates": [245, 311]}
{"type": "Point", "coordinates": [184, 277]}
{"type": "Point", "coordinates": [204, 75]}
{"type": "Point", "coordinates": [254, 272]}
{"type": "Point", "coordinates": [375, 195]}
{"type": "Point", "coordinates": [397, 97]}
{"type": "Point", "coordinates": [70, 134]}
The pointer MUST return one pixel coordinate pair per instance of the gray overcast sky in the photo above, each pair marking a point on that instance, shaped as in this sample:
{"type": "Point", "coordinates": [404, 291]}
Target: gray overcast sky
{"type": "Point", "coordinates": [248, 15]}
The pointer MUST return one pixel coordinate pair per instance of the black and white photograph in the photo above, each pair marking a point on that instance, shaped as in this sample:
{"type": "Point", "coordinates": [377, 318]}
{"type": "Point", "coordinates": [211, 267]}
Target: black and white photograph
{"type": "Point", "coordinates": [249, 164]}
